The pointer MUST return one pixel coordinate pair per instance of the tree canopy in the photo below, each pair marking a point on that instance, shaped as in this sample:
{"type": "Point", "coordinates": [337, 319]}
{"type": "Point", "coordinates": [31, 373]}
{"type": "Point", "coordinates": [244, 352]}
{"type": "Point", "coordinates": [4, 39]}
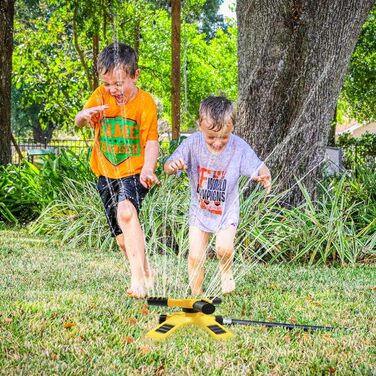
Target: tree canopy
{"type": "Point", "coordinates": [56, 44]}
{"type": "Point", "coordinates": [359, 92]}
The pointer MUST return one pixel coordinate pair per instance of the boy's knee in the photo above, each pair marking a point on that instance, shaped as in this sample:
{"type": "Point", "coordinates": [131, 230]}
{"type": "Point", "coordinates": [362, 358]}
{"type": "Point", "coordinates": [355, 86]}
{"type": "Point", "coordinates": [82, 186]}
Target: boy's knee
{"type": "Point", "coordinates": [126, 212]}
{"type": "Point", "coordinates": [225, 252]}
{"type": "Point", "coordinates": [195, 260]}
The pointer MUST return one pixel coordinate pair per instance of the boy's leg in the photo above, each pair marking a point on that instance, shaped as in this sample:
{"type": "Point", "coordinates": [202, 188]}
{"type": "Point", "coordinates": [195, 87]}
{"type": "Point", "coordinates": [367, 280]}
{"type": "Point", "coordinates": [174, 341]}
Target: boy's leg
{"type": "Point", "coordinates": [225, 253]}
{"type": "Point", "coordinates": [149, 273]}
{"type": "Point", "coordinates": [114, 194]}
{"type": "Point", "coordinates": [134, 248]}
{"type": "Point", "coordinates": [198, 241]}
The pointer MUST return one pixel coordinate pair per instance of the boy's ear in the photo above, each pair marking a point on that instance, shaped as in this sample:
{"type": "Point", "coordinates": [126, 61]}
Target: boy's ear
{"type": "Point", "coordinates": [231, 126]}
{"type": "Point", "coordinates": [136, 75]}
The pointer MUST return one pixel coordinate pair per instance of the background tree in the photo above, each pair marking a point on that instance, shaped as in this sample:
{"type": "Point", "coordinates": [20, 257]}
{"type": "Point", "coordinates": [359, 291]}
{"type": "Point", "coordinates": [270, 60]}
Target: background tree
{"type": "Point", "coordinates": [47, 75]}
{"type": "Point", "coordinates": [55, 49]}
{"type": "Point", "coordinates": [359, 91]}
{"type": "Point", "coordinates": [293, 57]}
{"type": "Point", "coordinates": [175, 67]}
{"type": "Point", "coordinates": [6, 48]}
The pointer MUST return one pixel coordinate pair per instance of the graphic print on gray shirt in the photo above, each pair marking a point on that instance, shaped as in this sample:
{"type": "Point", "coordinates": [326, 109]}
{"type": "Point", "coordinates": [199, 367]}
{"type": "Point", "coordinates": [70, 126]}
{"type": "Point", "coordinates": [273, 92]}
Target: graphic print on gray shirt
{"type": "Point", "coordinates": [214, 180]}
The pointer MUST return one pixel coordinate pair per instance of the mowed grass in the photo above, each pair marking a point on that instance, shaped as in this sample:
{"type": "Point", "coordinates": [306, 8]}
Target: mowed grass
{"type": "Point", "coordinates": [65, 311]}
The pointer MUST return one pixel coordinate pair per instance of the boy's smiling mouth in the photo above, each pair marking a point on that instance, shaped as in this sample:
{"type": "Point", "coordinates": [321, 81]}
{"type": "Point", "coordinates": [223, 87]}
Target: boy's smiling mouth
{"type": "Point", "coordinates": [119, 99]}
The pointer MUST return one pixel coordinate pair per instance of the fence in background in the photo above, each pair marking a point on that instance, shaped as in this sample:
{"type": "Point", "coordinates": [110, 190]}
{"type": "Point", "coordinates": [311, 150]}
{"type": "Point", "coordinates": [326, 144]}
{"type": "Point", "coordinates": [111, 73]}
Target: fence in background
{"type": "Point", "coordinates": [29, 148]}
{"type": "Point", "coordinates": [351, 155]}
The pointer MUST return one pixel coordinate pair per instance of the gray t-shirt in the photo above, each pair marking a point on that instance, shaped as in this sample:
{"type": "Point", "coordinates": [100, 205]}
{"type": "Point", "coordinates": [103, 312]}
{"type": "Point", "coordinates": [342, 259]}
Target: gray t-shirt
{"type": "Point", "coordinates": [214, 180]}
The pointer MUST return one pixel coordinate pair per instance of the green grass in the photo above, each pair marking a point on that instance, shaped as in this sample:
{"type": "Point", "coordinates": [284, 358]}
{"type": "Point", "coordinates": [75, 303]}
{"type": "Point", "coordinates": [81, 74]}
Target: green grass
{"type": "Point", "coordinates": [45, 288]}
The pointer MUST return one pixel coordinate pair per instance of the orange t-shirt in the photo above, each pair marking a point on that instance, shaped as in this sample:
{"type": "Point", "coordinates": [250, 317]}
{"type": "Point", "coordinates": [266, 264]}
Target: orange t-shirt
{"type": "Point", "coordinates": [121, 133]}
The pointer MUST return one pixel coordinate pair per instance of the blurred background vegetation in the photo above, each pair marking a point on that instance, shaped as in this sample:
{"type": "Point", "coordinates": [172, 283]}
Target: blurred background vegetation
{"type": "Point", "coordinates": [56, 44]}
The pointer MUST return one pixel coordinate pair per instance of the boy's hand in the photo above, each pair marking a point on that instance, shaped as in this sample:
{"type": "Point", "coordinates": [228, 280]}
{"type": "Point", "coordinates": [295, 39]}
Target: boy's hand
{"type": "Point", "coordinates": [85, 116]}
{"type": "Point", "coordinates": [265, 180]}
{"type": "Point", "coordinates": [175, 166]}
{"type": "Point", "coordinates": [148, 178]}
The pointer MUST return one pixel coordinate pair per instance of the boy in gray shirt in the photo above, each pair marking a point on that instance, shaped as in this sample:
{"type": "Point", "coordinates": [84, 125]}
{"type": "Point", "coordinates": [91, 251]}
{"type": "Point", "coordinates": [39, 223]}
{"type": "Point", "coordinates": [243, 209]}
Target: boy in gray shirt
{"type": "Point", "coordinates": [215, 159]}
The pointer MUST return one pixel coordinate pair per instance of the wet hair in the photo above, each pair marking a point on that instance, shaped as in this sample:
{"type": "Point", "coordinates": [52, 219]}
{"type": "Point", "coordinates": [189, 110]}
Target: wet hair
{"type": "Point", "coordinates": [118, 55]}
{"type": "Point", "coordinates": [218, 112]}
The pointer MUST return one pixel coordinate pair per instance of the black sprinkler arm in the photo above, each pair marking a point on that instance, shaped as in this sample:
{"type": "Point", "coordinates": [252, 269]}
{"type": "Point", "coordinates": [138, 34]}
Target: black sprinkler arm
{"type": "Point", "coordinates": [227, 321]}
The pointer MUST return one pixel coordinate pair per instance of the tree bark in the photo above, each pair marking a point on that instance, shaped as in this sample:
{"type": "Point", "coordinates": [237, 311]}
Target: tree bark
{"type": "Point", "coordinates": [293, 57]}
{"type": "Point", "coordinates": [6, 49]}
{"type": "Point", "coordinates": [18, 150]}
{"type": "Point", "coordinates": [175, 73]}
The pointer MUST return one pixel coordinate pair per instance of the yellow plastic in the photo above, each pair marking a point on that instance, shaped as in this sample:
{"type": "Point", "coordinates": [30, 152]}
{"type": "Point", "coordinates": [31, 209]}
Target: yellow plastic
{"type": "Point", "coordinates": [178, 320]}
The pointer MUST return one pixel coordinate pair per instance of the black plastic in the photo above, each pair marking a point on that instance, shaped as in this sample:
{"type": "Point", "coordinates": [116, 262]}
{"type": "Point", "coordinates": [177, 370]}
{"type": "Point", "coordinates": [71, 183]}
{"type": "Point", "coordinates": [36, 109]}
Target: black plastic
{"type": "Point", "coordinates": [216, 300]}
{"type": "Point", "coordinates": [219, 319]}
{"type": "Point", "coordinates": [204, 307]}
{"type": "Point", "coordinates": [162, 318]}
{"type": "Point", "coordinates": [280, 325]}
{"type": "Point", "coordinates": [157, 301]}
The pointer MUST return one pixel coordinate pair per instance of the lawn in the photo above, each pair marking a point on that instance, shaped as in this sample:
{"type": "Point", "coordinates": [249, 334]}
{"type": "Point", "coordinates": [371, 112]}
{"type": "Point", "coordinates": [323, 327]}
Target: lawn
{"type": "Point", "coordinates": [65, 311]}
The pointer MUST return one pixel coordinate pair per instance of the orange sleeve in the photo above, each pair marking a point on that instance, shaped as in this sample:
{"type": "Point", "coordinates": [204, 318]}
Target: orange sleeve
{"type": "Point", "coordinates": [149, 121]}
{"type": "Point", "coordinates": [96, 99]}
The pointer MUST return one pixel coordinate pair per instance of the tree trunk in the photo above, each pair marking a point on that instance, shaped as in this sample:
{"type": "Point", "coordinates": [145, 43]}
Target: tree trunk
{"type": "Point", "coordinates": [175, 73]}
{"type": "Point", "coordinates": [293, 57]}
{"type": "Point", "coordinates": [6, 48]}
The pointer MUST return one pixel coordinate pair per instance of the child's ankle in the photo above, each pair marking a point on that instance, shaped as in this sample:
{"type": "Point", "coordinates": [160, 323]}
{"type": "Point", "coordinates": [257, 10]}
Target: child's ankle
{"type": "Point", "coordinates": [196, 291]}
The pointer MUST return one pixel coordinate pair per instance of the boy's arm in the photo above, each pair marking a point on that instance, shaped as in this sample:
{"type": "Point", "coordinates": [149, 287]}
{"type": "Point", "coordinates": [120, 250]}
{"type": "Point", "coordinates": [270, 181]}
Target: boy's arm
{"type": "Point", "coordinates": [180, 159]}
{"type": "Point", "coordinates": [264, 177]}
{"type": "Point", "coordinates": [170, 167]}
{"type": "Point", "coordinates": [147, 175]}
{"type": "Point", "coordinates": [85, 116]}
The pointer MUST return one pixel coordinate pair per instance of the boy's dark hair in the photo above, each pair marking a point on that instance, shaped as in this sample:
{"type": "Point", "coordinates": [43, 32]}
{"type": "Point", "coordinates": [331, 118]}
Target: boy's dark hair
{"type": "Point", "coordinates": [218, 110]}
{"type": "Point", "coordinates": [118, 55]}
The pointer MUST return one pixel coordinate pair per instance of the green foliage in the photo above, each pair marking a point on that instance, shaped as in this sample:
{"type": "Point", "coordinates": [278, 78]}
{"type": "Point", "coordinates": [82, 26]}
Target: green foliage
{"type": "Point", "coordinates": [360, 86]}
{"type": "Point", "coordinates": [26, 190]}
{"type": "Point", "coordinates": [75, 216]}
{"type": "Point", "coordinates": [359, 190]}
{"type": "Point", "coordinates": [204, 73]}
{"type": "Point", "coordinates": [339, 228]}
{"type": "Point", "coordinates": [325, 231]}
{"type": "Point", "coordinates": [358, 152]}
{"type": "Point", "coordinates": [46, 72]}
{"type": "Point", "coordinates": [52, 81]}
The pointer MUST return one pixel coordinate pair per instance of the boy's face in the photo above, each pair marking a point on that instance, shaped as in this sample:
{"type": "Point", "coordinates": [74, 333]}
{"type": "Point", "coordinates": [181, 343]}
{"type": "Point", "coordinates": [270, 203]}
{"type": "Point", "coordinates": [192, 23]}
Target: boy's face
{"type": "Point", "coordinates": [120, 85]}
{"type": "Point", "coordinates": [216, 140]}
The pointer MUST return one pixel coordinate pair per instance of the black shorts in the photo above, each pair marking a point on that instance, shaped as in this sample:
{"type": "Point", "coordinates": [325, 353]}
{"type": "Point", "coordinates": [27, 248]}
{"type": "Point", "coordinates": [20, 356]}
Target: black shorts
{"type": "Point", "coordinates": [113, 191]}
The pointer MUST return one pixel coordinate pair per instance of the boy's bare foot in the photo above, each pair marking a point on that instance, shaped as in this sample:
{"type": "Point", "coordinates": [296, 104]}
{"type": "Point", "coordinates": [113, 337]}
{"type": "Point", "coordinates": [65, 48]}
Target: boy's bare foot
{"type": "Point", "coordinates": [149, 279]}
{"type": "Point", "coordinates": [136, 291]}
{"type": "Point", "coordinates": [228, 283]}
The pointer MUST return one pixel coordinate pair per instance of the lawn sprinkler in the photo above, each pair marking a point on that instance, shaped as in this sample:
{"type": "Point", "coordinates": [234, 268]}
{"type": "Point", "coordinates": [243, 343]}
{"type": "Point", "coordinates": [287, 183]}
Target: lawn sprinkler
{"type": "Point", "coordinates": [195, 312]}
{"type": "Point", "coordinates": [199, 312]}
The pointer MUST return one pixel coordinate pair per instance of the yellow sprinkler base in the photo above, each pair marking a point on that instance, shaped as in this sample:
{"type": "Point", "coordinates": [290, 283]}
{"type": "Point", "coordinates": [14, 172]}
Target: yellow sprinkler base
{"type": "Point", "coordinates": [196, 312]}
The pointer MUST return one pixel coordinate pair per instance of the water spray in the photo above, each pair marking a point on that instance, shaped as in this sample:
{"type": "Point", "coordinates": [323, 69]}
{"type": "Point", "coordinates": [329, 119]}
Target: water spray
{"type": "Point", "coordinates": [198, 312]}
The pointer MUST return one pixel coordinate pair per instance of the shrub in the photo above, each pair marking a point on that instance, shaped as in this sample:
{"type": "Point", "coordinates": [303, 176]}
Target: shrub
{"type": "Point", "coordinates": [26, 190]}
{"type": "Point", "coordinates": [358, 152]}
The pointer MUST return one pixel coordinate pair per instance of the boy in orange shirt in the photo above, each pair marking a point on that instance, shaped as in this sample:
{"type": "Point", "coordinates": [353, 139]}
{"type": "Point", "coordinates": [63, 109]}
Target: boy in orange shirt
{"type": "Point", "coordinates": [125, 153]}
